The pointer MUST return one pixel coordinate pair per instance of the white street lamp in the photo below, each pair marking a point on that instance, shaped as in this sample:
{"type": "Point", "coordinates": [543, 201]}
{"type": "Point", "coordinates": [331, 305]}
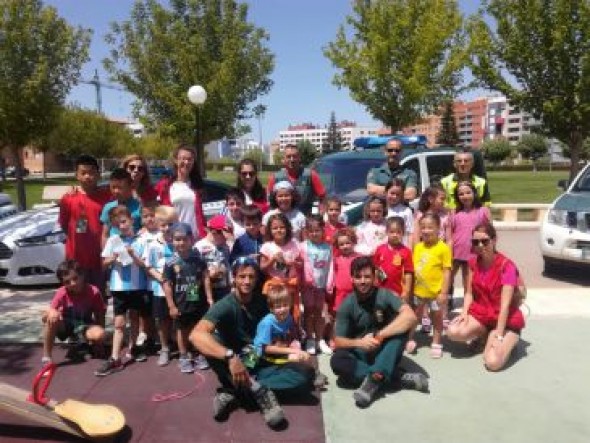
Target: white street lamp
{"type": "Point", "coordinates": [197, 96]}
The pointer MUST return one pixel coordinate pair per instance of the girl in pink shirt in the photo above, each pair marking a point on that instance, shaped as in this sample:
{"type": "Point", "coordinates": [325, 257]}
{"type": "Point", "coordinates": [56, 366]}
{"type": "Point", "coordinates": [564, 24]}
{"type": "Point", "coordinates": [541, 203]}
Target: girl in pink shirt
{"type": "Point", "coordinates": [344, 242]}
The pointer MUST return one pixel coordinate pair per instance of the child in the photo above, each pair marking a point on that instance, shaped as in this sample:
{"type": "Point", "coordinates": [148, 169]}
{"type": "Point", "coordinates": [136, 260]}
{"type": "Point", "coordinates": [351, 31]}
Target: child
{"type": "Point", "coordinates": [158, 253]}
{"type": "Point", "coordinates": [234, 201]}
{"type": "Point", "coordinates": [345, 242]}
{"type": "Point", "coordinates": [188, 292]}
{"type": "Point", "coordinates": [371, 232]}
{"type": "Point", "coordinates": [432, 268]}
{"type": "Point", "coordinates": [79, 218]}
{"type": "Point", "coordinates": [128, 286]}
{"type": "Point", "coordinates": [215, 252]}
{"type": "Point", "coordinates": [333, 221]}
{"type": "Point", "coordinates": [122, 192]}
{"type": "Point", "coordinates": [279, 258]}
{"type": "Point", "coordinates": [393, 261]}
{"type": "Point", "coordinates": [432, 200]}
{"type": "Point", "coordinates": [394, 195]}
{"type": "Point", "coordinates": [318, 282]}
{"type": "Point", "coordinates": [249, 243]}
{"type": "Point", "coordinates": [284, 199]}
{"type": "Point", "coordinates": [77, 311]}
{"type": "Point", "coordinates": [277, 335]}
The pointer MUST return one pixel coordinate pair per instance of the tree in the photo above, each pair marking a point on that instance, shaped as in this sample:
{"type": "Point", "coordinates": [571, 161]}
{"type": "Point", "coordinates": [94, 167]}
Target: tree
{"type": "Point", "coordinates": [40, 60]}
{"type": "Point", "coordinates": [533, 147]}
{"type": "Point", "coordinates": [447, 135]}
{"type": "Point", "coordinates": [584, 152]}
{"type": "Point", "coordinates": [333, 141]}
{"type": "Point", "coordinates": [160, 52]}
{"type": "Point", "coordinates": [537, 55]}
{"type": "Point", "coordinates": [496, 150]}
{"type": "Point", "coordinates": [257, 156]}
{"type": "Point", "coordinates": [156, 146]}
{"type": "Point", "coordinates": [401, 58]}
{"type": "Point", "coordinates": [308, 152]}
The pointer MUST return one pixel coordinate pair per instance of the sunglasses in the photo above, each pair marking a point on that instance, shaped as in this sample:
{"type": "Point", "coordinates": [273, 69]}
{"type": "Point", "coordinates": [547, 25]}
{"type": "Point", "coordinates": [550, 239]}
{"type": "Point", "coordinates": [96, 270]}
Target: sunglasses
{"type": "Point", "coordinates": [138, 168]}
{"type": "Point", "coordinates": [248, 174]}
{"type": "Point", "coordinates": [391, 150]}
{"type": "Point", "coordinates": [480, 241]}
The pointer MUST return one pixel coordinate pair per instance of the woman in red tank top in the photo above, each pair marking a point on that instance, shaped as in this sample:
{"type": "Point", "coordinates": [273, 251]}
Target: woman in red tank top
{"type": "Point", "coordinates": [489, 308]}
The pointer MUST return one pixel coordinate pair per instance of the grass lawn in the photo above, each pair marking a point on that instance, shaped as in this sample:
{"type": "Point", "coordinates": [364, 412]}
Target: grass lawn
{"type": "Point", "coordinates": [505, 187]}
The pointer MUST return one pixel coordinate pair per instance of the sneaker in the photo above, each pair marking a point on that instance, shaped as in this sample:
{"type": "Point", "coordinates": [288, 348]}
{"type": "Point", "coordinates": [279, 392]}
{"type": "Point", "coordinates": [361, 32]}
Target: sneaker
{"type": "Point", "coordinates": [108, 367]}
{"type": "Point", "coordinates": [325, 348]}
{"type": "Point", "coordinates": [310, 346]}
{"type": "Point", "coordinates": [269, 405]}
{"type": "Point", "coordinates": [186, 365]}
{"type": "Point", "coordinates": [414, 380]}
{"type": "Point", "coordinates": [138, 353]}
{"type": "Point", "coordinates": [201, 362]}
{"type": "Point", "coordinates": [364, 395]}
{"type": "Point", "coordinates": [76, 351]}
{"type": "Point", "coordinates": [223, 403]}
{"type": "Point", "coordinates": [320, 380]}
{"type": "Point", "coordinates": [164, 357]}
{"type": "Point", "coordinates": [141, 339]}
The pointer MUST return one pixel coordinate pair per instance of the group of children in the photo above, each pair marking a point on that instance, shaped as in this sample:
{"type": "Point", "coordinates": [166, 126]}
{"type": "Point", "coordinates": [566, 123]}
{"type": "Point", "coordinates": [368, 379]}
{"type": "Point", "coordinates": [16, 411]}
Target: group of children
{"type": "Point", "coordinates": [159, 276]}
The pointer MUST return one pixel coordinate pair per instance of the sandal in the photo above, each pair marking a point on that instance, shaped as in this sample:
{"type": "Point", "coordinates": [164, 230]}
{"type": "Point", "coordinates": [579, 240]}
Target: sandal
{"type": "Point", "coordinates": [411, 346]}
{"type": "Point", "coordinates": [436, 351]}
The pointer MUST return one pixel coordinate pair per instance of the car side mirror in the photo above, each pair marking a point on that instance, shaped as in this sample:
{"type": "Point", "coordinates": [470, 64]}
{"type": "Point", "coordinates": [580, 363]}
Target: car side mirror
{"type": "Point", "coordinates": [562, 184]}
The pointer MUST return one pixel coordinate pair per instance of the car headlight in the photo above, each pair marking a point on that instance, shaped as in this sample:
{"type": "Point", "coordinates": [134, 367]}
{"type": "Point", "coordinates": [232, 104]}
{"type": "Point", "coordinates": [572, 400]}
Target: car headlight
{"type": "Point", "coordinates": [42, 240]}
{"type": "Point", "coordinates": [557, 217]}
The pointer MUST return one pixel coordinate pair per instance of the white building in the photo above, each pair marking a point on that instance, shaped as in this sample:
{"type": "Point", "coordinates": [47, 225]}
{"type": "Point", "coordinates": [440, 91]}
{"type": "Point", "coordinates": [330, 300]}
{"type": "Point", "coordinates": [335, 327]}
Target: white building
{"type": "Point", "coordinates": [507, 121]}
{"type": "Point", "coordinates": [318, 135]}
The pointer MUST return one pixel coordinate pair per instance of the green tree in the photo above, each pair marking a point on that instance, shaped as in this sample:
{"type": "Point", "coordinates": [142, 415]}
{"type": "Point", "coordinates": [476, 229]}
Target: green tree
{"type": "Point", "coordinates": [277, 157]}
{"type": "Point", "coordinates": [447, 135]}
{"type": "Point", "coordinates": [536, 53]}
{"type": "Point", "coordinates": [584, 152]}
{"type": "Point", "coordinates": [156, 146]}
{"type": "Point", "coordinates": [533, 147]}
{"type": "Point", "coordinates": [256, 155]}
{"type": "Point", "coordinates": [40, 60]}
{"type": "Point", "coordinates": [160, 52]}
{"type": "Point", "coordinates": [333, 142]}
{"type": "Point", "coordinates": [496, 150]}
{"type": "Point", "coordinates": [401, 58]}
{"type": "Point", "coordinates": [308, 152]}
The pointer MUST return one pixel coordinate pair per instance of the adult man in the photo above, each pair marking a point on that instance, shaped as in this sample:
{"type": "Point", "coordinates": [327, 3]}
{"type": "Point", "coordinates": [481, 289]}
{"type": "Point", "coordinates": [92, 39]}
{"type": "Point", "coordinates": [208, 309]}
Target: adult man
{"type": "Point", "coordinates": [463, 163]}
{"type": "Point", "coordinates": [378, 177]}
{"type": "Point", "coordinates": [225, 335]}
{"type": "Point", "coordinates": [307, 182]}
{"type": "Point", "coordinates": [372, 326]}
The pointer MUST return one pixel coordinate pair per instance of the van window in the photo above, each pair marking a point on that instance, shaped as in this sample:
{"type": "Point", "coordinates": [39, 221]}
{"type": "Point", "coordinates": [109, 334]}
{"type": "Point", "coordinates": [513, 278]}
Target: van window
{"type": "Point", "coordinates": [439, 166]}
{"type": "Point", "coordinates": [414, 165]}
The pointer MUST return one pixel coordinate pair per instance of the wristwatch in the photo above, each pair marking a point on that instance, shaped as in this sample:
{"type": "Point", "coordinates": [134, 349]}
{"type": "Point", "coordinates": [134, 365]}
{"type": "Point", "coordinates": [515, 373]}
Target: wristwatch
{"type": "Point", "coordinates": [229, 354]}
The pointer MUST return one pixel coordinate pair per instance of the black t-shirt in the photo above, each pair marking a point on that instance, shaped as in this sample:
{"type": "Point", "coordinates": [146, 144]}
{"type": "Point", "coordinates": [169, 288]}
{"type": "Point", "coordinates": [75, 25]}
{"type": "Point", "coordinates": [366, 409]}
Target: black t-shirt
{"type": "Point", "coordinates": [356, 319]}
{"type": "Point", "coordinates": [186, 277]}
{"type": "Point", "coordinates": [235, 324]}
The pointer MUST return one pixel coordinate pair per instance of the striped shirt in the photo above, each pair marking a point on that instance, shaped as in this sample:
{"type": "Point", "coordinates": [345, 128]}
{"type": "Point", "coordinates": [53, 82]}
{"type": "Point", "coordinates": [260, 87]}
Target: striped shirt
{"type": "Point", "coordinates": [156, 255]}
{"type": "Point", "coordinates": [130, 277]}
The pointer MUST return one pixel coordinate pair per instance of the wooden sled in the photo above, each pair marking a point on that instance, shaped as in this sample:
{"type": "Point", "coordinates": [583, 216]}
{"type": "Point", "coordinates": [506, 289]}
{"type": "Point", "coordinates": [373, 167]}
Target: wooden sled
{"type": "Point", "coordinates": [72, 416]}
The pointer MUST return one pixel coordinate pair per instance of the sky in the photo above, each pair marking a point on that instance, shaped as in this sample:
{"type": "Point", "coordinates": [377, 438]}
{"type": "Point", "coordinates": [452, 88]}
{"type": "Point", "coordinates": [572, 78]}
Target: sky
{"type": "Point", "coordinates": [303, 91]}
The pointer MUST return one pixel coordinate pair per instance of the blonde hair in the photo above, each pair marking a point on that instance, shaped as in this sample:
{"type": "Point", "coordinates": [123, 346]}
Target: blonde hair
{"type": "Point", "coordinates": [278, 294]}
{"type": "Point", "coordinates": [167, 213]}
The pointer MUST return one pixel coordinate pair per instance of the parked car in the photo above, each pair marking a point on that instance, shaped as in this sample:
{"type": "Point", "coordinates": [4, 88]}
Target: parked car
{"type": "Point", "coordinates": [32, 242]}
{"type": "Point", "coordinates": [11, 172]}
{"type": "Point", "coordinates": [344, 174]}
{"type": "Point", "coordinates": [565, 230]}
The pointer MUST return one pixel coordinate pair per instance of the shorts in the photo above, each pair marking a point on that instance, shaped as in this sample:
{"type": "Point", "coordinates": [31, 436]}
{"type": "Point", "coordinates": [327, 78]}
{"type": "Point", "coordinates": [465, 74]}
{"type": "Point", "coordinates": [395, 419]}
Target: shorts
{"type": "Point", "coordinates": [160, 309]}
{"type": "Point", "coordinates": [68, 329]}
{"type": "Point", "coordinates": [430, 303]}
{"type": "Point", "coordinates": [313, 297]}
{"type": "Point", "coordinates": [488, 317]}
{"type": "Point", "coordinates": [458, 261]}
{"type": "Point", "coordinates": [188, 320]}
{"type": "Point", "coordinates": [124, 301]}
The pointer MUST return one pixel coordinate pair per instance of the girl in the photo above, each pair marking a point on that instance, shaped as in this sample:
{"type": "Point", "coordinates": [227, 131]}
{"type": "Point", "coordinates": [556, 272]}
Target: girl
{"type": "Point", "coordinates": [432, 268]}
{"type": "Point", "coordinates": [371, 232]}
{"type": "Point", "coordinates": [333, 219]}
{"type": "Point", "coordinates": [137, 167]}
{"type": "Point", "coordinates": [344, 242]}
{"type": "Point", "coordinates": [394, 261]}
{"type": "Point", "coordinates": [284, 199]}
{"type": "Point", "coordinates": [249, 184]}
{"type": "Point", "coordinates": [468, 215]}
{"type": "Point", "coordinates": [432, 200]}
{"type": "Point", "coordinates": [279, 258]}
{"type": "Point", "coordinates": [318, 282]}
{"type": "Point", "coordinates": [394, 196]}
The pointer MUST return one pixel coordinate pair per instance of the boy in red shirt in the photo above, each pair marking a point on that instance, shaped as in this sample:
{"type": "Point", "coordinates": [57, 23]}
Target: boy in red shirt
{"type": "Point", "coordinates": [79, 218]}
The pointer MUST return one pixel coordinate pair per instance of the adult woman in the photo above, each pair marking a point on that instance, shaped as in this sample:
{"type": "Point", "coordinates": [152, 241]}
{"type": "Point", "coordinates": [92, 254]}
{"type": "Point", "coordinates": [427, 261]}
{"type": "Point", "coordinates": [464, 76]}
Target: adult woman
{"type": "Point", "coordinates": [250, 185]}
{"type": "Point", "coordinates": [489, 306]}
{"type": "Point", "coordinates": [137, 166]}
{"type": "Point", "coordinates": [183, 189]}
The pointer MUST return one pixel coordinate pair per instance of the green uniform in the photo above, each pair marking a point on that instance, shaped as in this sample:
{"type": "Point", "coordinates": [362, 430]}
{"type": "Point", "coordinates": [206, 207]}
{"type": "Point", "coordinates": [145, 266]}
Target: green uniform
{"type": "Point", "coordinates": [382, 174]}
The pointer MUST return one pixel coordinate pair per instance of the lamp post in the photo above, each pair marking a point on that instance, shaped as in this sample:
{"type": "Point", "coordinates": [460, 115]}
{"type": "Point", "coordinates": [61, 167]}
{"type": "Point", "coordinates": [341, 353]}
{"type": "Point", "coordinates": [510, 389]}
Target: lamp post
{"type": "Point", "coordinates": [259, 111]}
{"type": "Point", "coordinates": [197, 96]}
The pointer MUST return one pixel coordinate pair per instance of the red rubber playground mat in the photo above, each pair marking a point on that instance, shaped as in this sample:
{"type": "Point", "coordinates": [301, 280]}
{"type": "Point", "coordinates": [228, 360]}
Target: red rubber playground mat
{"type": "Point", "coordinates": [132, 390]}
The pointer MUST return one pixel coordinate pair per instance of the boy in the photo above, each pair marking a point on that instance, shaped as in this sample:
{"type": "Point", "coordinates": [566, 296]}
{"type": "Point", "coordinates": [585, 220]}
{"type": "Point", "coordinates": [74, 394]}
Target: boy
{"type": "Point", "coordinates": [234, 202]}
{"type": "Point", "coordinates": [128, 286]}
{"type": "Point", "coordinates": [186, 281]}
{"type": "Point", "coordinates": [215, 252]}
{"type": "Point", "coordinates": [157, 254]}
{"type": "Point", "coordinates": [77, 312]}
{"type": "Point", "coordinates": [122, 192]}
{"type": "Point", "coordinates": [249, 243]}
{"type": "Point", "coordinates": [79, 218]}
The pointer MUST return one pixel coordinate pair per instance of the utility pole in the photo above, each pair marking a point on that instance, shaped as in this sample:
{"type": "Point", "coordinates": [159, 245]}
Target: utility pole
{"type": "Point", "coordinates": [259, 111]}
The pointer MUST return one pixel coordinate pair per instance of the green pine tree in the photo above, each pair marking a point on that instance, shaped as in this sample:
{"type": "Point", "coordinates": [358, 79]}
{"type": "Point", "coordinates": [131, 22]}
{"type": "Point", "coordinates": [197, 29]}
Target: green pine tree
{"type": "Point", "coordinates": [334, 141]}
{"type": "Point", "coordinates": [447, 135]}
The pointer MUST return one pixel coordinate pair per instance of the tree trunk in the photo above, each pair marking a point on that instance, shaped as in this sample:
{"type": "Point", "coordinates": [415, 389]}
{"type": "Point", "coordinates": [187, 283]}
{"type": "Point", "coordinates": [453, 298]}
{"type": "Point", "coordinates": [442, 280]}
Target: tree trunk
{"type": "Point", "coordinates": [20, 184]}
{"type": "Point", "coordinates": [575, 144]}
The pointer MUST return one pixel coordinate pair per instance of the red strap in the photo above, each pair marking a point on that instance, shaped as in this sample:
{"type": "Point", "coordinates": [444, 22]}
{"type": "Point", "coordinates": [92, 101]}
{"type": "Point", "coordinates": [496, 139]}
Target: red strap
{"type": "Point", "coordinates": [38, 395]}
{"type": "Point", "coordinates": [179, 395]}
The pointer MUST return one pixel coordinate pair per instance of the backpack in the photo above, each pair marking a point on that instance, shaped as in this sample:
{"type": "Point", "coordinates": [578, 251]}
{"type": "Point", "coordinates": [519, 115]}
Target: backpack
{"type": "Point", "coordinates": [520, 292]}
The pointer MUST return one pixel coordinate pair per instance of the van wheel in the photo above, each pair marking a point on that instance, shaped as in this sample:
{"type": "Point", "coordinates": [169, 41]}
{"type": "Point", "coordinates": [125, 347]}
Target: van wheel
{"type": "Point", "coordinates": [551, 267]}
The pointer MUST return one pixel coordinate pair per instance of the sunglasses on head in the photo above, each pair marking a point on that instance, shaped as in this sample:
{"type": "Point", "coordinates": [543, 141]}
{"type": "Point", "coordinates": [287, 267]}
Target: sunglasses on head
{"type": "Point", "coordinates": [135, 167]}
{"type": "Point", "coordinates": [480, 241]}
{"type": "Point", "coordinates": [248, 174]}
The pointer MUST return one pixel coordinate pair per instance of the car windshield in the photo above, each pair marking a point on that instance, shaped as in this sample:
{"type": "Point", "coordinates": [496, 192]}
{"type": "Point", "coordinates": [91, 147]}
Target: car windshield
{"type": "Point", "coordinates": [346, 178]}
{"type": "Point", "coordinates": [583, 183]}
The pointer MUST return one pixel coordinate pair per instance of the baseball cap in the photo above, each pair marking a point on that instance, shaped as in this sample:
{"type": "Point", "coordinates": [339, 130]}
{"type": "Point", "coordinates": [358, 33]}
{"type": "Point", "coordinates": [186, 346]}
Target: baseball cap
{"type": "Point", "coordinates": [181, 228]}
{"type": "Point", "coordinates": [218, 222]}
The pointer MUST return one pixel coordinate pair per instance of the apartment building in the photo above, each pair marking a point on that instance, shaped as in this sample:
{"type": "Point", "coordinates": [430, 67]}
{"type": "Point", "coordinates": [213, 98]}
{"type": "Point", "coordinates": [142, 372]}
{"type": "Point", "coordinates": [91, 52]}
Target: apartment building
{"type": "Point", "coordinates": [318, 135]}
{"type": "Point", "coordinates": [505, 120]}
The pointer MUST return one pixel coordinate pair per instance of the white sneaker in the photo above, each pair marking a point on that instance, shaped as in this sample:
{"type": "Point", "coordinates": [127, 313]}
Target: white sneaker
{"type": "Point", "coordinates": [310, 346]}
{"type": "Point", "coordinates": [325, 348]}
